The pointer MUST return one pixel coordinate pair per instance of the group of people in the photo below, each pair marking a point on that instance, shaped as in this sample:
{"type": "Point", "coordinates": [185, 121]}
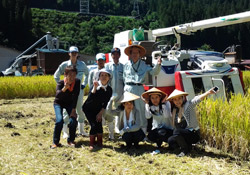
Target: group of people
{"type": "Point", "coordinates": [116, 91]}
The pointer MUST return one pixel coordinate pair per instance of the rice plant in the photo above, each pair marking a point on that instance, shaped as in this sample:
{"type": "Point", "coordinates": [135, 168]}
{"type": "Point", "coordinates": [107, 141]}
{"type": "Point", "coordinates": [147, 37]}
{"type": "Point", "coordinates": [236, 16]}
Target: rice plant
{"type": "Point", "coordinates": [28, 87]}
{"type": "Point", "coordinates": [246, 79]}
{"type": "Point", "coordinates": [226, 124]}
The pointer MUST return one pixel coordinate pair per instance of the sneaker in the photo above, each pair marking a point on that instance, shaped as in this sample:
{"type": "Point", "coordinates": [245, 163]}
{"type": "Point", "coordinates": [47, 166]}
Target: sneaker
{"type": "Point", "coordinates": [84, 134]}
{"type": "Point", "coordinates": [55, 146]}
{"type": "Point", "coordinates": [182, 154]}
{"type": "Point", "coordinates": [71, 144]}
{"type": "Point", "coordinates": [155, 152]}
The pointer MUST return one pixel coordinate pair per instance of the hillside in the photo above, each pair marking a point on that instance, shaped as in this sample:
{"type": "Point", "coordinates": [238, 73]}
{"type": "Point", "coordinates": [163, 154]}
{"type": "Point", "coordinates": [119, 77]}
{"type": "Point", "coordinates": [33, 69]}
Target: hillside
{"type": "Point", "coordinates": [22, 25]}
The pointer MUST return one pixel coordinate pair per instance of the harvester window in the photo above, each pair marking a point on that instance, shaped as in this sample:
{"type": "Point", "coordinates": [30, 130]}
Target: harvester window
{"type": "Point", "coordinates": [198, 86]}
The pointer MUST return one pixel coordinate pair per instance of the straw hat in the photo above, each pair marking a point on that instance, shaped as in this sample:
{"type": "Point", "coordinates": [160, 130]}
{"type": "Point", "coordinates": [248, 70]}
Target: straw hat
{"type": "Point", "coordinates": [127, 96]}
{"type": "Point", "coordinates": [154, 90]}
{"type": "Point", "coordinates": [129, 48]}
{"type": "Point", "coordinates": [176, 93]}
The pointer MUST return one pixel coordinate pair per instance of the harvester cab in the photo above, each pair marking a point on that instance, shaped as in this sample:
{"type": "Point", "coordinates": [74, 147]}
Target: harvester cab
{"type": "Point", "coordinates": [192, 71]}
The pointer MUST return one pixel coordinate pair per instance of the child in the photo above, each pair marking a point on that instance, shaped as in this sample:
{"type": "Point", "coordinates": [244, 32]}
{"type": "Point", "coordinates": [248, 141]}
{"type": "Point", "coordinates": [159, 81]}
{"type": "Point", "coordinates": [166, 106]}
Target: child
{"type": "Point", "coordinates": [161, 112]}
{"type": "Point", "coordinates": [187, 131]}
{"type": "Point", "coordinates": [95, 106]}
{"type": "Point", "coordinates": [129, 121]}
{"type": "Point", "coordinates": [67, 92]}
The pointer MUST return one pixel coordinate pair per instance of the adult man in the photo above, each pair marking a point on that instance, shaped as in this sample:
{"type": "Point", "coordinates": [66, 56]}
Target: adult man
{"type": "Point", "coordinates": [134, 73]}
{"type": "Point", "coordinates": [100, 60]}
{"type": "Point", "coordinates": [81, 69]}
{"type": "Point", "coordinates": [117, 86]}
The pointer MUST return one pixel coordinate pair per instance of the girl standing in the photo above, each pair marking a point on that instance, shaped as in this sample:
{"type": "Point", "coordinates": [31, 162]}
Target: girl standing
{"type": "Point", "coordinates": [95, 106]}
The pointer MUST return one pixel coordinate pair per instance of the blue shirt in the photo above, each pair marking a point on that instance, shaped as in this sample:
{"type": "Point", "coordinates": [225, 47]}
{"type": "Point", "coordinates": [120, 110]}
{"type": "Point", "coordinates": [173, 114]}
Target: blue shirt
{"type": "Point", "coordinates": [117, 77]}
{"type": "Point", "coordinates": [136, 72]}
{"type": "Point", "coordinates": [93, 77]}
{"type": "Point", "coordinates": [81, 69]}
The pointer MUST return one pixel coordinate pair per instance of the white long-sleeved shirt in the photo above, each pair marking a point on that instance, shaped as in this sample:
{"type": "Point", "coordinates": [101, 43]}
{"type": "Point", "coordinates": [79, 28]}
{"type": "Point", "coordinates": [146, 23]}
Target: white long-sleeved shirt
{"type": "Point", "coordinates": [159, 120]}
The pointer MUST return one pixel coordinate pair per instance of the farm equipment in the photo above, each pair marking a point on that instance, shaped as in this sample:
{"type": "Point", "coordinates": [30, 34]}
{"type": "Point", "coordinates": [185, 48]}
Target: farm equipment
{"type": "Point", "coordinates": [43, 60]}
{"type": "Point", "coordinates": [192, 71]}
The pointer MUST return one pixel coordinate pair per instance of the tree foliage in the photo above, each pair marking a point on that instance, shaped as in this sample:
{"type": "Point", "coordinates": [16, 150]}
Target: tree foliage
{"type": "Point", "coordinates": [16, 22]}
{"type": "Point", "coordinates": [94, 33]}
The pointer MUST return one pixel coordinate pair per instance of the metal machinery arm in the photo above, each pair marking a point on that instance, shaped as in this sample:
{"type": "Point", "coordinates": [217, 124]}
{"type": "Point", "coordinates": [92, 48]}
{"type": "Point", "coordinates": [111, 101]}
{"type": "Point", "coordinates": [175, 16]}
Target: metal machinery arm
{"type": "Point", "coordinates": [189, 28]}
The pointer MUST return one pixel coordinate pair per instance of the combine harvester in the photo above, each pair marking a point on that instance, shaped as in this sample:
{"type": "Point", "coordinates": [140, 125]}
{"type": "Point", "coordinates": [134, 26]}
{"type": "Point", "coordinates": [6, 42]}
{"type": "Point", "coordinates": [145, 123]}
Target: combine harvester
{"type": "Point", "coordinates": [192, 71]}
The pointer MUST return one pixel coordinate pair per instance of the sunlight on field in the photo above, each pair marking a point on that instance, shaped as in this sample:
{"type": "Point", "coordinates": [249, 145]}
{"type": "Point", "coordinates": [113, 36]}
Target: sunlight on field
{"type": "Point", "coordinates": [27, 128]}
{"type": "Point", "coordinates": [26, 134]}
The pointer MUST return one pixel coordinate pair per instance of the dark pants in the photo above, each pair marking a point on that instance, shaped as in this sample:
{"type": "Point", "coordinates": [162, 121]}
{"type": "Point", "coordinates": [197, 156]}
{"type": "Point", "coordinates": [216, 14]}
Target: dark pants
{"type": "Point", "coordinates": [160, 135]}
{"type": "Point", "coordinates": [184, 138]}
{"type": "Point", "coordinates": [59, 124]}
{"type": "Point", "coordinates": [95, 127]}
{"type": "Point", "coordinates": [133, 137]}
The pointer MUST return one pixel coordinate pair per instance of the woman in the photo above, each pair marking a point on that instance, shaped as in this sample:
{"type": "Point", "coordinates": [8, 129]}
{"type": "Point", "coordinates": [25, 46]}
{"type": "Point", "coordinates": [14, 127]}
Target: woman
{"type": "Point", "coordinates": [95, 106]}
{"type": "Point", "coordinates": [67, 92]}
{"type": "Point", "coordinates": [187, 131]}
{"type": "Point", "coordinates": [129, 121]}
{"type": "Point", "coordinates": [160, 111]}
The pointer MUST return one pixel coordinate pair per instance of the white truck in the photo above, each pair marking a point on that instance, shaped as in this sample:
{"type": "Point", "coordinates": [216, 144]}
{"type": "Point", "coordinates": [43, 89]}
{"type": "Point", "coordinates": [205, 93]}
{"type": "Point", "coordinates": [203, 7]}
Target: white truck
{"type": "Point", "coordinates": [192, 71]}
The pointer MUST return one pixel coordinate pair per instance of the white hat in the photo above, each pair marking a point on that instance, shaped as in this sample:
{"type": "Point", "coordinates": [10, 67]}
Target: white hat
{"type": "Point", "coordinates": [127, 96]}
{"type": "Point", "coordinates": [100, 56]}
{"type": "Point", "coordinates": [103, 70]}
{"type": "Point", "coordinates": [154, 90]}
{"type": "Point", "coordinates": [176, 93]}
{"type": "Point", "coordinates": [73, 49]}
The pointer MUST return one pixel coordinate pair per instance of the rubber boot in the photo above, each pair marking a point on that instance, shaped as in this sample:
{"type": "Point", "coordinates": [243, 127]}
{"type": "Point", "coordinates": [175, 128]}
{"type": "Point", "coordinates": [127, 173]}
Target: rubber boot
{"type": "Point", "coordinates": [81, 129]}
{"type": "Point", "coordinates": [91, 142]}
{"type": "Point", "coordinates": [145, 132]}
{"type": "Point", "coordinates": [111, 130]}
{"type": "Point", "coordinates": [117, 125]}
{"type": "Point", "coordinates": [99, 140]}
{"type": "Point", "coordinates": [65, 131]}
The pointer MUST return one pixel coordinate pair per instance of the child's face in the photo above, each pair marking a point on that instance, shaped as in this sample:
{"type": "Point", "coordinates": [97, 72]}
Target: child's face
{"type": "Point", "coordinates": [178, 101]}
{"type": "Point", "coordinates": [70, 77]}
{"type": "Point", "coordinates": [155, 99]}
{"type": "Point", "coordinates": [104, 78]}
{"type": "Point", "coordinates": [128, 106]}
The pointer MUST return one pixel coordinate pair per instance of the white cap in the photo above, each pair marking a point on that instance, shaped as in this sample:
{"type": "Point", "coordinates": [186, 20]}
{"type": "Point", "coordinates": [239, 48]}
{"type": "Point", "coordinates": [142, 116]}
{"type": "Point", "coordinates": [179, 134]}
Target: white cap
{"type": "Point", "coordinates": [73, 49]}
{"type": "Point", "coordinates": [100, 56]}
{"type": "Point", "coordinates": [104, 70]}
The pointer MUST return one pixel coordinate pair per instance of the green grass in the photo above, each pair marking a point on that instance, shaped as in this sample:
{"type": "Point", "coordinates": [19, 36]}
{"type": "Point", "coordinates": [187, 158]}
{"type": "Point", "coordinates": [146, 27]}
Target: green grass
{"type": "Point", "coordinates": [26, 129]}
